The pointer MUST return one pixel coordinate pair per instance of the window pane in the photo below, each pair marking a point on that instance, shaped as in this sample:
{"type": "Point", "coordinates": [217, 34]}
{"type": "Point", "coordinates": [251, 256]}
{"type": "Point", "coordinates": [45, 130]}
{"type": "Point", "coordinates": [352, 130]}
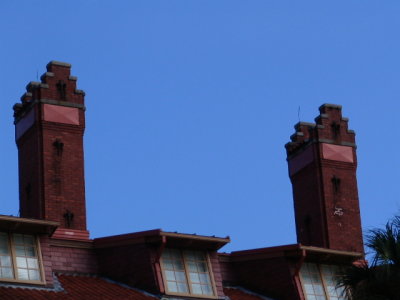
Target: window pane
{"type": "Point", "coordinates": [194, 277]}
{"type": "Point", "coordinates": [168, 264]}
{"type": "Point", "coordinates": [197, 289]}
{"type": "Point", "coordinates": [34, 275]}
{"type": "Point", "coordinates": [174, 254]}
{"type": "Point", "coordinates": [315, 278]}
{"type": "Point", "coordinates": [309, 289]}
{"type": "Point", "coordinates": [23, 274]}
{"type": "Point", "coordinates": [180, 276]}
{"type": "Point", "coordinates": [172, 287]}
{"type": "Point", "coordinates": [312, 282]}
{"type": "Point", "coordinates": [204, 278]}
{"type": "Point", "coordinates": [21, 262]}
{"type": "Point", "coordinates": [28, 240]}
{"type": "Point", "coordinates": [4, 243]}
{"type": "Point", "coordinates": [170, 275]}
{"type": "Point", "coordinates": [202, 267]}
{"type": "Point", "coordinates": [195, 255]}
{"type": "Point", "coordinates": [5, 261]}
{"type": "Point", "coordinates": [182, 287]}
{"type": "Point", "coordinates": [18, 239]}
{"type": "Point", "coordinates": [331, 290]}
{"type": "Point", "coordinates": [20, 250]}
{"type": "Point", "coordinates": [207, 290]}
{"type": "Point", "coordinates": [30, 251]}
{"type": "Point", "coordinates": [178, 264]}
{"type": "Point", "coordinates": [192, 266]}
{"type": "Point", "coordinates": [312, 268]}
{"type": "Point", "coordinates": [33, 263]}
{"type": "Point", "coordinates": [7, 273]}
{"type": "Point", "coordinates": [318, 289]}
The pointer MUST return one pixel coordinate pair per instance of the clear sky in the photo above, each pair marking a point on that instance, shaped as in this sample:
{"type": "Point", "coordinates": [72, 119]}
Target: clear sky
{"type": "Point", "coordinates": [190, 103]}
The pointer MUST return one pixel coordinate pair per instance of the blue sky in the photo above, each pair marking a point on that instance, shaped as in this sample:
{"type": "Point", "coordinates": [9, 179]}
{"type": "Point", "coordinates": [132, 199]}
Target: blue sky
{"type": "Point", "coordinates": [190, 103]}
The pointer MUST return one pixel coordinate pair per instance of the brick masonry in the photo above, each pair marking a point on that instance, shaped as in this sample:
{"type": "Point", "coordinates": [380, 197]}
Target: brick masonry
{"type": "Point", "coordinates": [50, 150]}
{"type": "Point", "coordinates": [325, 186]}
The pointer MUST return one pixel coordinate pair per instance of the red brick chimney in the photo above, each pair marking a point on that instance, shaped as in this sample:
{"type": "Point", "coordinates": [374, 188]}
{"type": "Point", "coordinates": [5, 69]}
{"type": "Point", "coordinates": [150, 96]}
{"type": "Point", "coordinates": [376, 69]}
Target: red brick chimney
{"type": "Point", "coordinates": [322, 165]}
{"type": "Point", "coordinates": [49, 127]}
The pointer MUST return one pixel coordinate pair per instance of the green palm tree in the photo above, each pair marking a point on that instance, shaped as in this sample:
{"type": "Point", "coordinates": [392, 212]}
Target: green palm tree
{"type": "Point", "coordinates": [379, 280]}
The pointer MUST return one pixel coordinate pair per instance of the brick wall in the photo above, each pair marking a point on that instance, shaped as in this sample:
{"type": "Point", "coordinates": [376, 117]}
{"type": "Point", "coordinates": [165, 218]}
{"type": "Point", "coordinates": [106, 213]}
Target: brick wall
{"type": "Point", "coordinates": [273, 277]}
{"type": "Point", "coordinates": [50, 123]}
{"type": "Point", "coordinates": [130, 264]}
{"type": "Point", "coordinates": [322, 167]}
{"type": "Point", "coordinates": [67, 256]}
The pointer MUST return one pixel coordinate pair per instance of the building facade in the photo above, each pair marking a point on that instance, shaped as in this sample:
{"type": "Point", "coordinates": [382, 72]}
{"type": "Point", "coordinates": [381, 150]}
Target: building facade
{"type": "Point", "coordinates": [47, 252]}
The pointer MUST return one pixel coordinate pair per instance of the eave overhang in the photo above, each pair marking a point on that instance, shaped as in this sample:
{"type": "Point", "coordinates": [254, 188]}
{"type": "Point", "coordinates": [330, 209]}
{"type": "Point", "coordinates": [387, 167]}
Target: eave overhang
{"type": "Point", "coordinates": [168, 239]}
{"type": "Point", "coordinates": [27, 226]}
{"type": "Point", "coordinates": [297, 252]}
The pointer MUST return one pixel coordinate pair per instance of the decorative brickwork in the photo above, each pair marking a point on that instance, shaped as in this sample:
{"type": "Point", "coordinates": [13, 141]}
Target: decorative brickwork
{"type": "Point", "coordinates": [322, 167]}
{"type": "Point", "coordinates": [50, 123]}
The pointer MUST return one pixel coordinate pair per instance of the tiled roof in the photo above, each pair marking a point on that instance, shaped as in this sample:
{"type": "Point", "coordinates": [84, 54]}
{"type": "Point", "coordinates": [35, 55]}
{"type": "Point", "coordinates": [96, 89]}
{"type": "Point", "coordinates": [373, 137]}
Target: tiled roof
{"type": "Point", "coordinates": [76, 288]}
{"type": "Point", "coordinates": [242, 294]}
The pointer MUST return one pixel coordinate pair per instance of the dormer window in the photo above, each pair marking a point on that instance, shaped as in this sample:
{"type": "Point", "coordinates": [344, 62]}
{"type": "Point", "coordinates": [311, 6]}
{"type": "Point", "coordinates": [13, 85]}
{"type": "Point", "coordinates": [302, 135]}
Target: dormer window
{"type": "Point", "coordinates": [187, 272]}
{"type": "Point", "coordinates": [319, 282]}
{"type": "Point", "coordinates": [19, 258]}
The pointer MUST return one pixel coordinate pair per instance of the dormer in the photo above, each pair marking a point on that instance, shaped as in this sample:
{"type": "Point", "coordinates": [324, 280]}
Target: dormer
{"type": "Point", "coordinates": [288, 272]}
{"type": "Point", "coordinates": [21, 258]}
{"type": "Point", "coordinates": [174, 265]}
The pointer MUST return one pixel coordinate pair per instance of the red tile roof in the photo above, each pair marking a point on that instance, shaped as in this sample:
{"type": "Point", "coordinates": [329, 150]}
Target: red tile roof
{"type": "Point", "coordinates": [241, 294]}
{"type": "Point", "coordinates": [76, 288]}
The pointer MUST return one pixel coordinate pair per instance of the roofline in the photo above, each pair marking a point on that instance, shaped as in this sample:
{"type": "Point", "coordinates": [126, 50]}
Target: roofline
{"type": "Point", "coordinates": [331, 251]}
{"type": "Point", "coordinates": [290, 250]}
{"type": "Point", "coordinates": [267, 250]}
{"type": "Point", "coordinates": [28, 220]}
{"type": "Point", "coordinates": [35, 224]}
{"type": "Point", "coordinates": [155, 235]}
{"type": "Point", "coordinates": [195, 237]}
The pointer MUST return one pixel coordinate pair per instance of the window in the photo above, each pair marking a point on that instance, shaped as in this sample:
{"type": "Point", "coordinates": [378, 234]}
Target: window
{"type": "Point", "coordinates": [187, 272]}
{"type": "Point", "coordinates": [19, 259]}
{"type": "Point", "coordinates": [319, 282]}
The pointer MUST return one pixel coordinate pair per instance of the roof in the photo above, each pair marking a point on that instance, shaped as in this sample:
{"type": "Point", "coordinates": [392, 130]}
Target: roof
{"type": "Point", "coordinates": [296, 251]}
{"type": "Point", "coordinates": [77, 287]}
{"type": "Point", "coordinates": [237, 293]}
{"type": "Point", "coordinates": [158, 236]}
{"type": "Point", "coordinates": [25, 225]}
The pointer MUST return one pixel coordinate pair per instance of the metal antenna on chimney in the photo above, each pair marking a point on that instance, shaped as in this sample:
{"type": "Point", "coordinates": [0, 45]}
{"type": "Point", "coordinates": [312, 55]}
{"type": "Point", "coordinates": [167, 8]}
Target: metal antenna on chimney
{"type": "Point", "coordinates": [37, 75]}
{"type": "Point", "coordinates": [298, 113]}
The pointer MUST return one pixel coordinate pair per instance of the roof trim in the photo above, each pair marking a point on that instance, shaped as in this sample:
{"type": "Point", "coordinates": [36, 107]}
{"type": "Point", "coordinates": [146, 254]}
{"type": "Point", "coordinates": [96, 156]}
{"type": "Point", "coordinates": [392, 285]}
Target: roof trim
{"type": "Point", "coordinates": [25, 225]}
{"type": "Point", "coordinates": [294, 250]}
{"type": "Point", "coordinates": [195, 237]}
{"type": "Point", "coordinates": [331, 251]}
{"type": "Point", "coordinates": [157, 236]}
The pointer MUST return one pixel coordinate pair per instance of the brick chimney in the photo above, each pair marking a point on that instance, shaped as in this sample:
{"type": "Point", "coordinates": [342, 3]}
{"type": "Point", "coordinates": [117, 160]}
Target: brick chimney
{"type": "Point", "coordinates": [322, 165]}
{"type": "Point", "coordinates": [49, 127]}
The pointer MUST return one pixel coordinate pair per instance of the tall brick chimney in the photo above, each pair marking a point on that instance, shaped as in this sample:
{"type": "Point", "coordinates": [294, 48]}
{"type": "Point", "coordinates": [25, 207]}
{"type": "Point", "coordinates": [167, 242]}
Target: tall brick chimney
{"type": "Point", "coordinates": [49, 128]}
{"type": "Point", "coordinates": [322, 165]}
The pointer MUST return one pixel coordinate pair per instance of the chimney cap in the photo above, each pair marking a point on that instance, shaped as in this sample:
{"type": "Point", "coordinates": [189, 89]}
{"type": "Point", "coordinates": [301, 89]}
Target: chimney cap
{"type": "Point", "coordinates": [58, 63]}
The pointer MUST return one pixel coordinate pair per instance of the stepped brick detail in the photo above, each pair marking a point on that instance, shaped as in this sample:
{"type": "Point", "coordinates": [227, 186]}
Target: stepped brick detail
{"type": "Point", "coordinates": [322, 165]}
